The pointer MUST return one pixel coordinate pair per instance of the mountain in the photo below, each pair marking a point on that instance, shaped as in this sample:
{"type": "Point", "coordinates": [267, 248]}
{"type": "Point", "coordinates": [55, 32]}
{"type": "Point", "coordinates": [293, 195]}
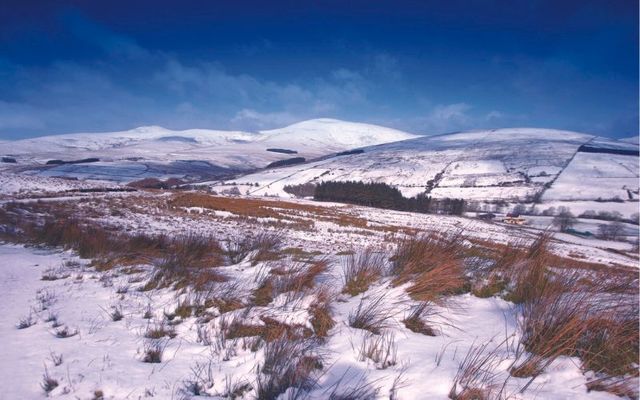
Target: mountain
{"type": "Point", "coordinates": [517, 165]}
{"type": "Point", "coordinates": [156, 151]}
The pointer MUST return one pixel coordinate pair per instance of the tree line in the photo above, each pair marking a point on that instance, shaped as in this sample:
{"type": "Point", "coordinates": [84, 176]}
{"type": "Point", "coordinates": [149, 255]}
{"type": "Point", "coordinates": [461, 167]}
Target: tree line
{"type": "Point", "coordinates": [381, 195]}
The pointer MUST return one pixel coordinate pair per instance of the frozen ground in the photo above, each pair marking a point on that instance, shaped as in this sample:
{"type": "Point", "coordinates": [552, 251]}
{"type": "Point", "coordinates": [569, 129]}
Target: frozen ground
{"type": "Point", "coordinates": [105, 355]}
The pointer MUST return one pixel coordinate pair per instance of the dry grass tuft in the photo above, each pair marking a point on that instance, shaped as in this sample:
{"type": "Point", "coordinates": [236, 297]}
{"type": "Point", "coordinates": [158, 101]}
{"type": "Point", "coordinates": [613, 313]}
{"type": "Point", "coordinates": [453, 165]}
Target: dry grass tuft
{"type": "Point", "coordinates": [380, 349]}
{"type": "Point", "coordinates": [434, 266]}
{"type": "Point", "coordinates": [287, 364]}
{"type": "Point", "coordinates": [48, 383]}
{"type": "Point", "coordinates": [418, 317]}
{"type": "Point", "coordinates": [552, 325]}
{"type": "Point", "coordinates": [153, 351]}
{"type": "Point", "coordinates": [295, 278]}
{"type": "Point", "coordinates": [371, 315]}
{"type": "Point", "coordinates": [264, 246]}
{"type": "Point", "coordinates": [321, 314]}
{"type": "Point", "coordinates": [609, 345]}
{"type": "Point", "coordinates": [361, 270]}
{"type": "Point", "coordinates": [528, 279]}
{"type": "Point", "coordinates": [190, 261]}
{"type": "Point", "coordinates": [158, 331]}
{"type": "Point", "coordinates": [476, 378]}
{"type": "Point", "coordinates": [270, 330]}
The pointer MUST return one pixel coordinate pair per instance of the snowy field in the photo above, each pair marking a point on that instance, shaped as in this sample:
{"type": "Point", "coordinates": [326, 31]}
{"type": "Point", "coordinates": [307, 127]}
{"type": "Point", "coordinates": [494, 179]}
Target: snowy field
{"type": "Point", "coordinates": [183, 294]}
{"type": "Point", "coordinates": [55, 291]}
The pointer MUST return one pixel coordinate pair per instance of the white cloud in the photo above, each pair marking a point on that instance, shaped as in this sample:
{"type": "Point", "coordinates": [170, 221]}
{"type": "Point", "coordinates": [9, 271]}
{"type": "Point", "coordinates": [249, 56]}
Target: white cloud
{"type": "Point", "coordinates": [253, 120]}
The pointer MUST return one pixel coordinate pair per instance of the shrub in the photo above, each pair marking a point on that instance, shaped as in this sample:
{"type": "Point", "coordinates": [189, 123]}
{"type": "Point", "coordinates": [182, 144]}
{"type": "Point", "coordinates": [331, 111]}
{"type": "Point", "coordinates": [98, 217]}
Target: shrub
{"type": "Point", "coordinates": [303, 190]}
{"type": "Point", "coordinates": [564, 219]}
{"type": "Point", "coordinates": [611, 231]}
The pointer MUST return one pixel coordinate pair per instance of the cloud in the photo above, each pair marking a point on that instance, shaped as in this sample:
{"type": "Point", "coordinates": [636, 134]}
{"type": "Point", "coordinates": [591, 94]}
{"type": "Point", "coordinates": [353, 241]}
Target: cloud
{"type": "Point", "coordinates": [253, 120]}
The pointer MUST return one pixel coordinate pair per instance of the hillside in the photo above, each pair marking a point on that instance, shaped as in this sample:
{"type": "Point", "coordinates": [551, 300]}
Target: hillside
{"type": "Point", "coordinates": [516, 165]}
{"type": "Point", "coordinates": [158, 152]}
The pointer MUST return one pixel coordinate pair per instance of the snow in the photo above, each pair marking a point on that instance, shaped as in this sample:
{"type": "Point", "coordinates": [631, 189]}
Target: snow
{"type": "Point", "coordinates": [480, 158]}
{"type": "Point", "coordinates": [590, 176]}
{"type": "Point", "coordinates": [511, 164]}
{"type": "Point", "coordinates": [12, 185]}
{"type": "Point", "coordinates": [514, 165]}
{"type": "Point", "coordinates": [105, 354]}
{"type": "Point", "coordinates": [156, 152]}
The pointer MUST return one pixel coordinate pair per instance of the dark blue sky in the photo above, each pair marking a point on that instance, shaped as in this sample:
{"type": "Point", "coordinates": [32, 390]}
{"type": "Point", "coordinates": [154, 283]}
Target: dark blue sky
{"type": "Point", "coordinates": [422, 66]}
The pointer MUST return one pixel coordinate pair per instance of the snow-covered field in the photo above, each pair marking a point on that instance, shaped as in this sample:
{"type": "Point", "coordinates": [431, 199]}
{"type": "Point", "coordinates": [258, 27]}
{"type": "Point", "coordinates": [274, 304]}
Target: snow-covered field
{"type": "Point", "coordinates": [103, 355]}
{"type": "Point", "coordinates": [87, 328]}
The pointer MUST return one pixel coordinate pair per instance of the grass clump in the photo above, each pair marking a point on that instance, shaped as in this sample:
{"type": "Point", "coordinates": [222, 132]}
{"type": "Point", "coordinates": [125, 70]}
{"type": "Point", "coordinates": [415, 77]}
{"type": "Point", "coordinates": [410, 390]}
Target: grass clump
{"type": "Point", "coordinates": [416, 321]}
{"type": "Point", "coordinates": [370, 315]}
{"type": "Point", "coordinates": [361, 270]}
{"type": "Point", "coordinates": [287, 364]}
{"type": "Point", "coordinates": [433, 266]}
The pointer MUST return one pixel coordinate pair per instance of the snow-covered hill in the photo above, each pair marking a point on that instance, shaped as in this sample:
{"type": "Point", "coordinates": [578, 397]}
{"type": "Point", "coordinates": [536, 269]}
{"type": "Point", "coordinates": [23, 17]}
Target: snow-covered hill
{"type": "Point", "coordinates": [521, 164]}
{"type": "Point", "coordinates": [155, 151]}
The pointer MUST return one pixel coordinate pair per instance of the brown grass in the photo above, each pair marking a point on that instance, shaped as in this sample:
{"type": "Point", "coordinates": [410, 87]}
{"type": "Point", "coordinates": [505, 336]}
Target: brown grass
{"type": "Point", "coordinates": [321, 314]}
{"type": "Point", "coordinates": [610, 342]}
{"type": "Point", "coordinates": [417, 320]}
{"type": "Point", "coordinates": [381, 349]}
{"type": "Point", "coordinates": [190, 261]}
{"type": "Point", "coordinates": [297, 277]}
{"type": "Point", "coordinates": [371, 315]}
{"type": "Point", "coordinates": [269, 331]}
{"type": "Point", "coordinates": [287, 364]}
{"type": "Point", "coordinates": [434, 266]}
{"type": "Point", "coordinates": [264, 246]}
{"type": "Point", "coordinates": [361, 270]}
{"type": "Point", "coordinates": [302, 215]}
{"type": "Point", "coordinates": [550, 328]}
{"type": "Point", "coordinates": [476, 378]}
